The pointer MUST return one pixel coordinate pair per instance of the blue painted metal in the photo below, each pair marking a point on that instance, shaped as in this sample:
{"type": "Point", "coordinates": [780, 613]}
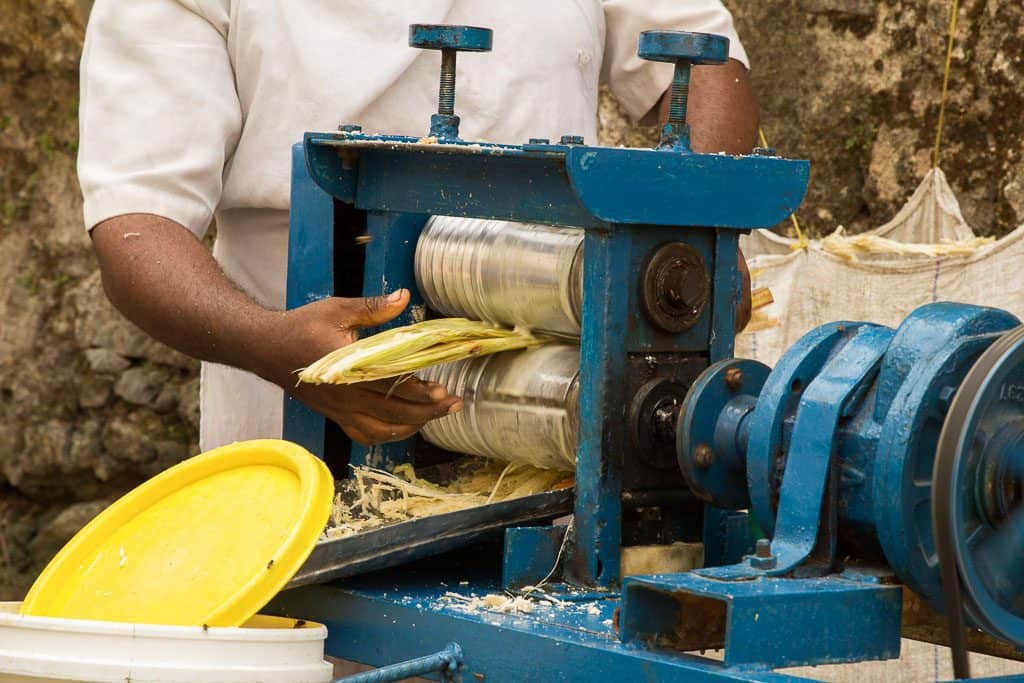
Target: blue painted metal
{"type": "Point", "coordinates": [444, 125]}
{"type": "Point", "coordinates": [673, 46]}
{"type": "Point", "coordinates": [824, 403]}
{"type": "Point", "coordinates": [768, 622]}
{"type": "Point", "coordinates": [684, 50]}
{"type": "Point", "coordinates": [394, 618]}
{"type": "Point", "coordinates": [389, 267]}
{"type": "Point", "coordinates": [530, 554]}
{"type": "Point", "coordinates": [932, 352]}
{"type": "Point", "coordinates": [830, 396]}
{"type": "Point", "coordinates": [310, 278]}
{"type": "Point", "coordinates": [445, 662]}
{"type": "Point", "coordinates": [607, 264]}
{"type": "Point", "coordinates": [987, 512]}
{"type": "Point", "coordinates": [557, 184]}
{"type": "Point", "coordinates": [718, 418]}
{"type": "Point", "coordinates": [655, 187]}
{"type": "Point", "coordinates": [447, 37]}
{"type": "Point", "coordinates": [728, 285]}
{"type": "Point", "coordinates": [778, 401]}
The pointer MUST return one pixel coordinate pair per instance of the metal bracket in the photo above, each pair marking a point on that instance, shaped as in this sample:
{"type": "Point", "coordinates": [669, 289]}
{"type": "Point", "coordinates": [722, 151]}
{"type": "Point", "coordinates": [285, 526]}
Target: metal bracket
{"type": "Point", "coordinates": [831, 395]}
{"type": "Point", "coordinates": [771, 622]}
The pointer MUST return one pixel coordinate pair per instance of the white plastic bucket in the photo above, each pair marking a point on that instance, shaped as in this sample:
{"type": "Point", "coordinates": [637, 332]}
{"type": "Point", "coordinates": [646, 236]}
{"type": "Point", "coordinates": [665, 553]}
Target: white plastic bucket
{"type": "Point", "coordinates": [265, 650]}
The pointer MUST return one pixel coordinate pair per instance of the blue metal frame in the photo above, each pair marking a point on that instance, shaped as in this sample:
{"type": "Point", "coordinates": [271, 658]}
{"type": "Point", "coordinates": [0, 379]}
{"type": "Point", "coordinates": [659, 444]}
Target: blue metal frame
{"type": "Point", "coordinates": [390, 252]}
{"type": "Point", "coordinates": [767, 622]}
{"type": "Point", "coordinates": [379, 622]}
{"type": "Point", "coordinates": [627, 199]}
{"type": "Point", "coordinates": [310, 278]}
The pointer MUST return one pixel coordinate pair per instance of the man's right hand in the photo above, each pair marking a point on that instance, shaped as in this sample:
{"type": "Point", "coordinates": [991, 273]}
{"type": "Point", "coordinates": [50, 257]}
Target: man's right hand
{"type": "Point", "coordinates": [369, 412]}
{"type": "Point", "coordinates": [159, 276]}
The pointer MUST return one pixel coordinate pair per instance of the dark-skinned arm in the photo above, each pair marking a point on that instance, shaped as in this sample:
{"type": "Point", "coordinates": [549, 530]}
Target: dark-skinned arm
{"type": "Point", "coordinates": [723, 117]}
{"type": "Point", "coordinates": [159, 276]}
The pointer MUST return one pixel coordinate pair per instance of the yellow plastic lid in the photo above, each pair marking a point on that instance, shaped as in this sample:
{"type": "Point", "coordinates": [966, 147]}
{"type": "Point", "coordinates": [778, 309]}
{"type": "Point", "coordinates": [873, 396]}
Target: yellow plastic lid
{"type": "Point", "coordinates": [209, 541]}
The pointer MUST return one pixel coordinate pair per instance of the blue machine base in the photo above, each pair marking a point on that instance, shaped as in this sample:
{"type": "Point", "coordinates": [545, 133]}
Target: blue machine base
{"type": "Point", "coordinates": [401, 614]}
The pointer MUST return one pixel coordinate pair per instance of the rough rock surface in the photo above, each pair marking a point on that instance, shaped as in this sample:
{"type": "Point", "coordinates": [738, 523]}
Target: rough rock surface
{"type": "Point", "coordinates": [90, 406]}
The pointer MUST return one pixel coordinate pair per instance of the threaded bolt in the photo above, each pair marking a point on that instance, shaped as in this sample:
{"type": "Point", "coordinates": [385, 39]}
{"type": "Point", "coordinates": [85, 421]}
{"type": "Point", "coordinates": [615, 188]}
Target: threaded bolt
{"type": "Point", "coordinates": [763, 548]}
{"type": "Point", "coordinates": [733, 379]}
{"type": "Point", "coordinates": [680, 92]}
{"type": "Point", "coordinates": [446, 93]}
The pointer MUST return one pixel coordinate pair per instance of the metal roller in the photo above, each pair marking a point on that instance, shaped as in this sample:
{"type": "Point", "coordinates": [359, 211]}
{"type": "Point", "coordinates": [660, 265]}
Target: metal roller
{"type": "Point", "coordinates": [520, 406]}
{"type": "Point", "coordinates": [503, 272]}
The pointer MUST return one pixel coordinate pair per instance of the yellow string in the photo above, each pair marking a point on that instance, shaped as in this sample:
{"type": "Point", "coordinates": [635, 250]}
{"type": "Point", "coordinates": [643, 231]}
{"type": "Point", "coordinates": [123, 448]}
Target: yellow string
{"type": "Point", "coordinates": [802, 240]}
{"type": "Point", "coordinates": [954, 9]}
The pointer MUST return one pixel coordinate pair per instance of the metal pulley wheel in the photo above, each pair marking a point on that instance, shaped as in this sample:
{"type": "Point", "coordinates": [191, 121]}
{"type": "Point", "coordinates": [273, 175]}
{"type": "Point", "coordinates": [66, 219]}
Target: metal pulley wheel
{"type": "Point", "coordinates": [977, 501]}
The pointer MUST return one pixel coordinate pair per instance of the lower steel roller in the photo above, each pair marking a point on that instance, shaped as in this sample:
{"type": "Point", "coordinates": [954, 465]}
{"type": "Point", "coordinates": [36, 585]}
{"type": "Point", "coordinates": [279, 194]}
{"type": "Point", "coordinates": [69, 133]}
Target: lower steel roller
{"type": "Point", "coordinates": [520, 406]}
{"type": "Point", "coordinates": [503, 272]}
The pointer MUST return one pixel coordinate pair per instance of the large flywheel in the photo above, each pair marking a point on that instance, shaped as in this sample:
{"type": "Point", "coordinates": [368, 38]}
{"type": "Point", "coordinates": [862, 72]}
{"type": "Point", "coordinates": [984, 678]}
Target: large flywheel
{"type": "Point", "coordinates": [977, 501]}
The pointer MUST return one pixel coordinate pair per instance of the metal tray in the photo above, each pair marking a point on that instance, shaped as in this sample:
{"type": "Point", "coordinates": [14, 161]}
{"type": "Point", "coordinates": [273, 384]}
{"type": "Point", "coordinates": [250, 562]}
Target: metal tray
{"type": "Point", "coordinates": [392, 545]}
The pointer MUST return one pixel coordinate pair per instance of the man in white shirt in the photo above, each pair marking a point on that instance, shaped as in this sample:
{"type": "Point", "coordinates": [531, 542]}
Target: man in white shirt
{"type": "Point", "coordinates": [188, 112]}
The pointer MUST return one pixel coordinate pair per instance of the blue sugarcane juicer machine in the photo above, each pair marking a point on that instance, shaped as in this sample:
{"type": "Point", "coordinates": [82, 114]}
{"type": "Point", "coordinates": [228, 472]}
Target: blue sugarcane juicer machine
{"type": "Point", "coordinates": [882, 466]}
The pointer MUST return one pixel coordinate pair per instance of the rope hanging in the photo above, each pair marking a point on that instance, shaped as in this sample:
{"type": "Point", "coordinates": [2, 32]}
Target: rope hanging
{"type": "Point", "coordinates": [936, 154]}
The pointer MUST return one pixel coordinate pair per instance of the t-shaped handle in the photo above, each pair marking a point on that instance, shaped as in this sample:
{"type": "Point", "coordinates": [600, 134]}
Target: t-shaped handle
{"type": "Point", "coordinates": [684, 50]}
{"type": "Point", "coordinates": [449, 40]}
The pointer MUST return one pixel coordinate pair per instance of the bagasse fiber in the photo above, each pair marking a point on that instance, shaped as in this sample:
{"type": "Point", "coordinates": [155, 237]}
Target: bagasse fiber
{"type": "Point", "coordinates": [849, 247]}
{"type": "Point", "coordinates": [384, 498]}
{"type": "Point", "coordinates": [404, 350]}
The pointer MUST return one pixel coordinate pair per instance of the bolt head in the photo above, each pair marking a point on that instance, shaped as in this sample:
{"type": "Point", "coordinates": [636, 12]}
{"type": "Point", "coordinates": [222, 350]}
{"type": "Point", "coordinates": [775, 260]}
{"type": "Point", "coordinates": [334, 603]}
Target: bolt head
{"type": "Point", "coordinates": [703, 456]}
{"type": "Point", "coordinates": [762, 557]}
{"type": "Point", "coordinates": [733, 379]}
{"type": "Point", "coordinates": [765, 151]}
{"type": "Point", "coordinates": [539, 141]}
{"type": "Point", "coordinates": [572, 140]}
{"type": "Point", "coordinates": [350, 128]}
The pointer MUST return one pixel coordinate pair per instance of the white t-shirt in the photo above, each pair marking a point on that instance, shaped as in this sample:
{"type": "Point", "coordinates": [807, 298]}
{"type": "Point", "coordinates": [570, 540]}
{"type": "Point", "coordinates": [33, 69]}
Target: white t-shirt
{"type": "Point", "coordinates": [189, 109]}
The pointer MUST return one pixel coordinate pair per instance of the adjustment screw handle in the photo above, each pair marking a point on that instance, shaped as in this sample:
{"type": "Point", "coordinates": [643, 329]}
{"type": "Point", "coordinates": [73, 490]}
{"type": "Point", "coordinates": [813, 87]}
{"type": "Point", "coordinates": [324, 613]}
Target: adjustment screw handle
{"type": "Point", "coordinates": [684, 50]}
{"type": "Point", "coordinates": [449, 40]}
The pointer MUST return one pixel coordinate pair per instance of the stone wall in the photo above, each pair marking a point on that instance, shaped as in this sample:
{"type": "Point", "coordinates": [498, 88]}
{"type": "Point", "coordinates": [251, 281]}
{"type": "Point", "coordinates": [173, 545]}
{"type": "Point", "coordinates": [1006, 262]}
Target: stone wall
{"type": "Point", "coordinates": [89, 406]}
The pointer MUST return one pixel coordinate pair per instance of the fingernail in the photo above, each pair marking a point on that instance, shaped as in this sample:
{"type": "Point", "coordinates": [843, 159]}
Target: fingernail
{"type": "Point", "coordinates": [437, 393]}
{"type": "Point", "coordinates": [395, 295]}
{"type": "Point", "coordinates": [455, 407]}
